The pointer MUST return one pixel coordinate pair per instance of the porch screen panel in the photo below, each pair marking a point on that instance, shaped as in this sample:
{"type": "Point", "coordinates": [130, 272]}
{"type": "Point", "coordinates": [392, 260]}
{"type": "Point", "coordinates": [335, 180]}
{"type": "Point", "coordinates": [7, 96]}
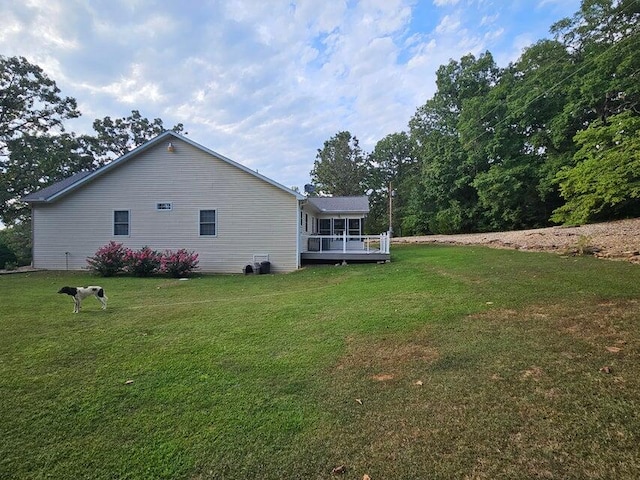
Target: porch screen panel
{"type": "Point", "coordinates": [338, 226]}
{"type": "Point", "coordinates": [325, 226]}
{"type": "Point", "coordinates": [354, 227]}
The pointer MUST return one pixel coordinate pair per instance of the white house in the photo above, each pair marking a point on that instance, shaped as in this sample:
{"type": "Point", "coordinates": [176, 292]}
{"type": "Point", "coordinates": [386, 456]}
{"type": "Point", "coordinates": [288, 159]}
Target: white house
{"type": "Point", "coordinates": [172, 193]}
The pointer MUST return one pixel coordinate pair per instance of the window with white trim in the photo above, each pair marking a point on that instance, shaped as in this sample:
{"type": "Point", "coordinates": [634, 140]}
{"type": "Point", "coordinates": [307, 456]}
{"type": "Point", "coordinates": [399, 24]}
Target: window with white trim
{"type": "Point", "coordinates": [208, 222]}
{"type": "Point", "coordinates": [121, 222]}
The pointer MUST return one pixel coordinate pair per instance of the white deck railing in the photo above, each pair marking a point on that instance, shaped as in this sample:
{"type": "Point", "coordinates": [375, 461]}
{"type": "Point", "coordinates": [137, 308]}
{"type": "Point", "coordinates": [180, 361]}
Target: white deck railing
{"type": "Point", "coordinates": [346, 243]}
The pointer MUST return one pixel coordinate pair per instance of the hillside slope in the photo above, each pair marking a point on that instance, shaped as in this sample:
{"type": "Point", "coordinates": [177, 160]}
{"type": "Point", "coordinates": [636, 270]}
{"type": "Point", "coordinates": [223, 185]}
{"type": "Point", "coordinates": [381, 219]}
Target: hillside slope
{"type": "Point", "coordinates": [619, 240]}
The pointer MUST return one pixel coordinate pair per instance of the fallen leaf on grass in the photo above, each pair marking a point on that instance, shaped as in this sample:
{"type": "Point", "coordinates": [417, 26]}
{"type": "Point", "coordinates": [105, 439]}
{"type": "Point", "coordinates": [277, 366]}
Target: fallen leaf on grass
{"type": "Point", "coordinates": [606, 369]}
{"type": "Point", "coordinates": [339, 470]}
{"type": "Point", "coordinates": [128, 382]}
{"type": "Point", "coordinates": [359, 401]}
{"type": "Point", "coordinates": [366, 477]}
{"type": "Point", "coordinates": [418, 383]}
{"type": "Point", "coordinates": [613, 349]}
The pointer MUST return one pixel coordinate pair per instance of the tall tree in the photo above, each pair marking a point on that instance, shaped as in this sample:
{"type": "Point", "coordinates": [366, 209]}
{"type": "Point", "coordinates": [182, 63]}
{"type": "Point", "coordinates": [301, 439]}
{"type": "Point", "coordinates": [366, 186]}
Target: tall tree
{"type": "Point", "coordinates": [394, 164]}
{"type": "Point", "coordinates": [30, 102]}
{"type": "Point", "coordinates": [115, 138]}
{"type": "Point", "coordinates": [509, 130]}
{"type": "Point", "coordinates": [33, 148]}
{"type": "Point", "coordinates": [448, 170]}
{"type": "Point", "coordinates": [34, 163]}
{"type": "Point", "coordinates": [605, 182]}
{"type": "Point", "coordinates": [341, 167]}
{"type": "Point", "coordinates": [604, 37]}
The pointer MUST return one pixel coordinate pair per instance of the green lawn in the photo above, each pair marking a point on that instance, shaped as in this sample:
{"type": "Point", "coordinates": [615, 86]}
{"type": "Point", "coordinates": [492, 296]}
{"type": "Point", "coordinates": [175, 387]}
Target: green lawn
{"type": "Point", "coordinates": [449, 362]}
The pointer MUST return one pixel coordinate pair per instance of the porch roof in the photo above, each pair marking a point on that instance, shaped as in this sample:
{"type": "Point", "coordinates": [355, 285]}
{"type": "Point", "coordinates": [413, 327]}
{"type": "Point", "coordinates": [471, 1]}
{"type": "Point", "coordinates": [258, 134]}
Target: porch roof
{"type": "Point", "coordinates": [340, 205]}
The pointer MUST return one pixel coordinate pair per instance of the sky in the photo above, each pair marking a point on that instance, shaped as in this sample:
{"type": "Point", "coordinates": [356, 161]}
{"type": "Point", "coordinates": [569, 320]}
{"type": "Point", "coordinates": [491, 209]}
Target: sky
{"type": "Point", "coordinates": [265, 82]}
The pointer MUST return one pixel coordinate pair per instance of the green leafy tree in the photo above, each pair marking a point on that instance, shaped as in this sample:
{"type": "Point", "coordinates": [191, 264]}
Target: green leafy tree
{"type": "Point", "coordinates": [507, 133]}
{"type": "Point", "coordinates": [18, 240]}
{"type": "Point", "coordinates": [604, 39]}
{"type": "Point", "coordinates": [448, 169]}
{"type": "Point", "coordinates": [32, 111]}
{"type": "Point", "coordinates": [341, 168]}
{"type": "Point", "coordinates": [604, 100]}
{"type": "Point", "coordinates": [394, 165]}
{"type": "Point", "coordinates": [605, 182]}
{"type": "Point", "coordinates": [30, 102]}
{"type": "Point", "coordinates": [34, 163]}
{"type": "Point", "coordinates": [115, 138]}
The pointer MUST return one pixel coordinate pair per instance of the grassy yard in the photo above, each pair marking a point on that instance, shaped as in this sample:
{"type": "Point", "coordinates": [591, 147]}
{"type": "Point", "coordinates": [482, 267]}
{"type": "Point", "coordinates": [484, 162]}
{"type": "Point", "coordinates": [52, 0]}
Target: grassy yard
{"type": "Point", "coordinates": [450, 362]}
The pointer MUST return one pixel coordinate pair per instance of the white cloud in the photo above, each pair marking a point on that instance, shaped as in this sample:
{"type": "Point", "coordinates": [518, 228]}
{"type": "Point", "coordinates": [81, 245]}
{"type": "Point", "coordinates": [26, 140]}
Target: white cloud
{"type": "Point", "coordinates": [443, 3]}
{"type": "Point", "coordinates": [448, 24]}
{"type": "Point", "coordinates": [488, 20]}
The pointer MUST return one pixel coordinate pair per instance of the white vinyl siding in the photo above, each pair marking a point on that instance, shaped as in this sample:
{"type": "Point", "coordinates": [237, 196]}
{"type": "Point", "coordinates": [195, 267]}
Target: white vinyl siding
{"type": "Point", "coordinates": [252, 216]}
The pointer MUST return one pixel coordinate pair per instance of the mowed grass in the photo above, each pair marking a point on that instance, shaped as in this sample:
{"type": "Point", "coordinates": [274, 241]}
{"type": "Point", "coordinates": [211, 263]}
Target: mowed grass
{"type": "Point", "coordinates": [449, 362]}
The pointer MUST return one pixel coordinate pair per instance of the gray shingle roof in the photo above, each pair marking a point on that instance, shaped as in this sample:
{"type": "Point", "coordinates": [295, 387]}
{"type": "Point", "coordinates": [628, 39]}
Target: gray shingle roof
{"type": "Point", "coordinates": [340, 204]}
{"type": "Point", "coordinates": [47, 192]}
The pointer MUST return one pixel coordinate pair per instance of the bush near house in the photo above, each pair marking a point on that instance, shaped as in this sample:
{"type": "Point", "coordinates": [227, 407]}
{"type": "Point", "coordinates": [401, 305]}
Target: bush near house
{"type": "Point", "coordinates": [108, 260]}
{"type": "Point", "coordinates": [144, 262]}
{"type": "Point", "coordinates": [7, 257]}
{"type": "Point", "coordinates": [180, 263]}
{"type": "Point", "coordinates": [114, 258]}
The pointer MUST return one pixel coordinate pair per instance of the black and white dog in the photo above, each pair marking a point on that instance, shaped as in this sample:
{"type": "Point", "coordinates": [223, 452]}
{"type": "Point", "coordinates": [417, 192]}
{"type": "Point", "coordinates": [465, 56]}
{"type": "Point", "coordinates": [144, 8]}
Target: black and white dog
{"type": "Point", "coordinates": [80, 293]}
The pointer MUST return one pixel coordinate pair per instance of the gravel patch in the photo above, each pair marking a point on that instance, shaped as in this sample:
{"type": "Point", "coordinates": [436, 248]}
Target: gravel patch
{"type": "Point", "coordinates": [619, 240]}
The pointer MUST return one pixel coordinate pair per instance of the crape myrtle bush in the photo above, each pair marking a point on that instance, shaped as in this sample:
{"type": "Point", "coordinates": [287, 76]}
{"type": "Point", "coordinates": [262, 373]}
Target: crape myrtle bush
{"type": "Point", "coordinates": [108, 260]}
{"type": "Point", "coordinates": [113, 258]}
{"type": "Point", "coordinates": [142, 263]}
{"type": "Point", "coordinates": [180, 263]}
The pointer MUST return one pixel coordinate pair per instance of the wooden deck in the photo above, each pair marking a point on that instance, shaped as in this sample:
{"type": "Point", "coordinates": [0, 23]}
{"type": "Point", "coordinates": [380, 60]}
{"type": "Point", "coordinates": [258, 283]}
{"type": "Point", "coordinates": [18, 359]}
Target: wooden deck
{"type": "Point", "coordinates": [337, 256]}
{"type": "Point", "coordinates": [343, 248]}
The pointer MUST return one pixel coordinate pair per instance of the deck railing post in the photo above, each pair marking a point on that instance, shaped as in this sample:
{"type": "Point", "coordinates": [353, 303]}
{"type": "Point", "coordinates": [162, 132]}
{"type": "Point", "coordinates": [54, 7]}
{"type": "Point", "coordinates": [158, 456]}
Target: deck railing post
{"type": "Point", "coordinates": [384, 242]}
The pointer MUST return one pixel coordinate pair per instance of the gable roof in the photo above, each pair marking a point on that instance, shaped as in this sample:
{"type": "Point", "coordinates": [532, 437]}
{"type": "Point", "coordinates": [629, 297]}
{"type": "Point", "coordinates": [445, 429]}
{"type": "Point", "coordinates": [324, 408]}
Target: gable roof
{"type": "Point", "coordinates": [57, 190]}
{"type": "Point", "coordinates": [46, 192]}
{"type": "Point", "coordinates": [340, 205]}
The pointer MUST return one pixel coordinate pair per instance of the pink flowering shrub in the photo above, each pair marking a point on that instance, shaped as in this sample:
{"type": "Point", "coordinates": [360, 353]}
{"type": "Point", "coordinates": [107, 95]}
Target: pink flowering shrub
{"type": "Point", "coordinates": [180, 263]}
{"type": "Point", "coordinates": [144, 262]}
{"type": "Point", "coordinates": [113, 258]}
{"type": "Point", "coordinates": [108, 260]}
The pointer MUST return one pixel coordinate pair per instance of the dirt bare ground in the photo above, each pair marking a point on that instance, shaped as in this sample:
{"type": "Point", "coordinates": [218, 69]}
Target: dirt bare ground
{"type": "Point", "coordinates": [619, 240]}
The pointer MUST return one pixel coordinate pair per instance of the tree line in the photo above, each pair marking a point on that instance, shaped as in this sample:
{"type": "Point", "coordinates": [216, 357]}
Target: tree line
{"type": "Point", "coordinates": [553, 137]}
